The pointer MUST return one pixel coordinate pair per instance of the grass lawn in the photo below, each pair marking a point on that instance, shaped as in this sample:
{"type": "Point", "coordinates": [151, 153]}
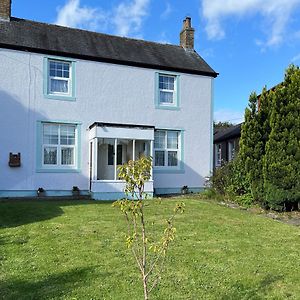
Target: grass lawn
{"type": "Point", "coordinates": [76, 250]}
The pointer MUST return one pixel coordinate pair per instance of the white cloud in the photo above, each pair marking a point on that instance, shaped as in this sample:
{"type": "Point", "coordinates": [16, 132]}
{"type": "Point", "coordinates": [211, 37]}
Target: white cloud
{"type": "Point", "coordinates": [229, 115]}
{"type": "Point", "coordinates": [275, 13]}
{"type": "Point", "coordinates": [125, 19]}
{"type": "Point", "coordinates": [296, 58]}
{"type": "Point", "coordinates": [74, 15]}
{"type": "Point", "coordinates": [128, 17]}
{"type": "Point", "coordinates": [165, 14]}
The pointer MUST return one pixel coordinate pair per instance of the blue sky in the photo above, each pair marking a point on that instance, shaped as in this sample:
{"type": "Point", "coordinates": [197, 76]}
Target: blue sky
{"type": "Point", "coordinates": [249, 42]}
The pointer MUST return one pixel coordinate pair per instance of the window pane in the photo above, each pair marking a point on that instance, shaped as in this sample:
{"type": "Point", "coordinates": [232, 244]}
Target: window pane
{"type": "Point", "coordinates": [172, 140]}
{"type": "Point", "coordinates": [172, 158]}
{"type": "Point", "coordinates": [59, 69]}
{"type": "Point", "coordinates": [166, 82]}
{"type": "Point", "coordinates": [67, 135]}
{"type": "Point", "coordinates": [50, 155]}
{"type": "Point", "coordinates": [66, 74]}
{"type": "Point", "coordinates": [119, 155]}
{"type": "Point", "coordinates": [110, 155]}
{"type": "Point", "coordinates": [159, 158]}
{"type": "Point", "coordinates": [67, 156]}
{"type": "Point", "coordinates": [166, 97]}
{"type": "Point", "coordinates": [50, 134]}
{"type": "Point", "coordinates": [159, 139]}
{"type": "Point", "coordinates": [59, 86]}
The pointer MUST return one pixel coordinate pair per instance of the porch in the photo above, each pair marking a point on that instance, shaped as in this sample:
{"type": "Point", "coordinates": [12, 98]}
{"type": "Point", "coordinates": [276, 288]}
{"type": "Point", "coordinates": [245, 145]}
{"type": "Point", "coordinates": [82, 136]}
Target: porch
{"type": "Point", "coordinates": [112, 145]}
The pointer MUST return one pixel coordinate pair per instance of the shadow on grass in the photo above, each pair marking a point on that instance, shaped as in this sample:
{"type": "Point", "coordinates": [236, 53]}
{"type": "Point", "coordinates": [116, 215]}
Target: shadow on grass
{"type": "Point", "coordinates": [247, 291]}
{"type": "Point", "coordinates": [15, 213]}
{"type": "Point", "coordinates": [52, 287]}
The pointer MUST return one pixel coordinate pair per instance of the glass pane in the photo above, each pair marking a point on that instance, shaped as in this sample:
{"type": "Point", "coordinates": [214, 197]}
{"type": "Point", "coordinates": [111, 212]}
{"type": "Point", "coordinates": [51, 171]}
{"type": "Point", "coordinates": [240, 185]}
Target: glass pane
{"type": "Point", "coordinates": [105, 161]}
{"type": "Point", "coordinates": [166, 82]}
{"type": "Point", "coordinates": [110, 155]}
{"type": "Point", "coordinates": [159, 139]}
{"type": "Point", "coordinates": [59, 69]}
{"type": "Point", "coordinates": [67, 135]}
{"type": "Point", "coordinates": [50, 155]}
{"type": "Point", "coordinates": [142, 148]}
{"type": "Point", "coordinates": [59, 86]}
{"type": "Point", "coordinates": [166, 97]}
{"type": "Point", "coordinates": [172, 158]}
{"type": "Point", "coordinates": [50, 134]}
{"type": "Point", "coordinates": [59, 66]}
{"type": "Point", "coordinates": [67, 156]}
{"type": "Point", "coordinates": [59, 73]}
{"type": "Point", "coordinates": [66, 74]}
{"type": "Point", "coordinates": [172, 140]}
{"type": "Point", "coordinates": [159, 158]}
{"type": "Point", "coordinates": [125, 151]}
{"type": "Point", "coordinates": [119, 155]}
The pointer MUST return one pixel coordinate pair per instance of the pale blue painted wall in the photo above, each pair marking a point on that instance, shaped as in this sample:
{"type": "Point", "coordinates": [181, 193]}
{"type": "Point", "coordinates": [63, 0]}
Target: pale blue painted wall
{"type": "Point", "coordinates": [106, 93]}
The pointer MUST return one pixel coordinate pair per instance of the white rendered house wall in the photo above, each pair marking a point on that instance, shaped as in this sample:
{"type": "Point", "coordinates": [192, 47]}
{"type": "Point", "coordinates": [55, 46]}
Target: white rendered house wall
{"type": "Point", "coordinates": [106, 93]}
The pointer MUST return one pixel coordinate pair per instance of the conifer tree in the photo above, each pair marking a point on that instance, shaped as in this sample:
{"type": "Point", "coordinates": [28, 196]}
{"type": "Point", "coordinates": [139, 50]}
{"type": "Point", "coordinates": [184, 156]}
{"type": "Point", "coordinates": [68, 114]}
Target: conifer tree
{"type": "Point", "coordinates": [282, 159]}
{"type": "Point", "coordinates": [250, 147]}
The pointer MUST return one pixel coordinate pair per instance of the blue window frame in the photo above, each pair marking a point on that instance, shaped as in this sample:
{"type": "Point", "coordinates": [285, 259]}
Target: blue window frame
{"type": "Point", "coordinates": [59, 78]}
{"type": "Point", "coordinates": [58, 146]}
{"type": "Point", "coordinates": [167, 91]}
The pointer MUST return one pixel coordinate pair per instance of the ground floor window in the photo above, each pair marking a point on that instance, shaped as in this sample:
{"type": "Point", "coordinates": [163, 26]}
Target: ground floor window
{"type": "Point", "coordinates": [167, 148]}
{"type": "Point", "coordinates": [57, 146]}
{"type": "Point", "coordinates": [231, 150]}
{"type": "Point", "coordinates": [218, 155]}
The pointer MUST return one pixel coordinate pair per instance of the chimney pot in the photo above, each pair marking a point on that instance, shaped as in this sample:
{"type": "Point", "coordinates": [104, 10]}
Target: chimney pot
{"type": "Point", "coordinates": [187, 34]}
{"type": "Point", "coordinates": [5, 10]}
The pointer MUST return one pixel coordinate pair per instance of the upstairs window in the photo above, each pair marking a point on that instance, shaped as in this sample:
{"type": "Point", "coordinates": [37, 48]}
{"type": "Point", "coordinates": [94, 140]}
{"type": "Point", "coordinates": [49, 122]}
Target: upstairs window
{"type": "Point", "coordinates": [59, 81]}
{"type": "Point", "coordinates": [166, 89]}
{"type": "Point", "coordinates": [166, 148]}
{"type": "Point", "coordinates": [167, 94]}
{"type": "Point", "coordinates": [59, 77]}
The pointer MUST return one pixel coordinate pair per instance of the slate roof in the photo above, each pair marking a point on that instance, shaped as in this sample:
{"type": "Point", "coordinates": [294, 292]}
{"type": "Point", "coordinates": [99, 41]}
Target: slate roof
{"type": "Point", "coordinates": [51, 39]}
{"type": "Point", "coordinates": [222, 134]}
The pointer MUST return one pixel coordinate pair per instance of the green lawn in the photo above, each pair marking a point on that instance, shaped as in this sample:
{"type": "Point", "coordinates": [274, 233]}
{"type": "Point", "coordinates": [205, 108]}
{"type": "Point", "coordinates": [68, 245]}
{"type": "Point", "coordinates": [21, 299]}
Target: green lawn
{"type": "Point", "coordinates": [76, 250]}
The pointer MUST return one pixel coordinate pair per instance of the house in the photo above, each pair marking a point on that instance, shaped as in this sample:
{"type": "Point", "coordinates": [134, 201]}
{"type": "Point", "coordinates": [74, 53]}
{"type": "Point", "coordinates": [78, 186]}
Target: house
{"type": "Point", "coordinates": [226, 144]}
{"type": "Point", "coordinates": [76, 104]}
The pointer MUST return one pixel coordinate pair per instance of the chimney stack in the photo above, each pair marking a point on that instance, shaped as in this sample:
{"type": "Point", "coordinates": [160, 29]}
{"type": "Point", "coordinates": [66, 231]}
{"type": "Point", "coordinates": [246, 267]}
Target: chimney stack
{"type": "Point", "coordinates": [187, 34]}
{"type": "Point", "coordinates": [5, 10]}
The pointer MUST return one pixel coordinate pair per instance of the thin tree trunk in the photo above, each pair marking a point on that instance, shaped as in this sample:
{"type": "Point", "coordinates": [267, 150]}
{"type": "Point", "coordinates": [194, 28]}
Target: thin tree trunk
{"type": "Point", "coordinates": [144, 247]}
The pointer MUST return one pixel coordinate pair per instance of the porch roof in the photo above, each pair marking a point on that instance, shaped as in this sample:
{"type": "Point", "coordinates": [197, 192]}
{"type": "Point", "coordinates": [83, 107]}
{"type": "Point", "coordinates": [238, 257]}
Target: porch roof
{"type": "Point", "coordinates": [121, 131]}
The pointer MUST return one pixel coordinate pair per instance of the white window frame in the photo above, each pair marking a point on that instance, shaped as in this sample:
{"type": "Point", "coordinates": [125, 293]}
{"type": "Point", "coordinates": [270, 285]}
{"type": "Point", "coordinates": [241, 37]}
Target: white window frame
{"type": "Point", "coordinates": [231, 150]}
{"type": "Point", "coordinates": [166, 150]}
{"type": "Point", "coordinates": [167, 104]}
{"type": "Point", "coordinates": [218, 155]}
{"type": "Point", "coordinates": [69, 80]}
{"type": "Point", "coordinates": [59, 147]}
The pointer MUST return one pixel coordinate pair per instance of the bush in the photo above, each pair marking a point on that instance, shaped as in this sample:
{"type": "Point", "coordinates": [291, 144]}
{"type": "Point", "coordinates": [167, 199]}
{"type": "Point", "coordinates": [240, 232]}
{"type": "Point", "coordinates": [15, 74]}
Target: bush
{"type": "Point", "coordinates": [230, 182]}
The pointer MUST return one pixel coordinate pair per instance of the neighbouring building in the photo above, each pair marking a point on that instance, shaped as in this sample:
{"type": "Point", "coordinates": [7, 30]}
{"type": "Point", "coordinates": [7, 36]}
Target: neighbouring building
{"type": "Point", "coordinates": [76, 104]}
{"type": "Point", "coordinates": [226, 144]}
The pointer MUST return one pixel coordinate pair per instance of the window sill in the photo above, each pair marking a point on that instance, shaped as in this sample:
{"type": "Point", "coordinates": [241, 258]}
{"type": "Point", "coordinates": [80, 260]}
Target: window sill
{"type": "Point", "coordinates": [167, 107]}
{"type": "Point", "coordinates": [168, 171]}
{"type": "Point", "coordinates": [60, 97]}
{"type": "Point", "coordinates": [45, 170]}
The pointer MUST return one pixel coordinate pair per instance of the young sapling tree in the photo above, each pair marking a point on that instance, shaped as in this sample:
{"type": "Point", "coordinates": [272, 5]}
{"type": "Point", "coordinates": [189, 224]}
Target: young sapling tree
{"type": "Point", "coordinates": [148, 253]}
